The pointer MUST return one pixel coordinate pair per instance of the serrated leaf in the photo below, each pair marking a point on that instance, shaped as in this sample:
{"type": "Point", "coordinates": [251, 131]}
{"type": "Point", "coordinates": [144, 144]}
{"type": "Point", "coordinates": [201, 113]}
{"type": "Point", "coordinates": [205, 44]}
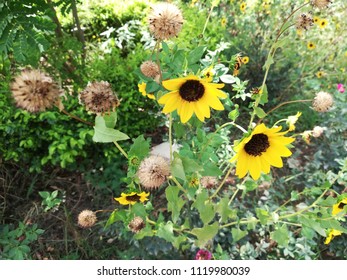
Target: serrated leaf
{"type": "Point", "coordinates": [264, 95]}
{"type": "Point", "coordinates": [139, 210]}
{"type": "Point", "coordinates": [116, 215]}
{"type": "Point", "coordinates": [313, 224]}
{"type": "Point", "coordinates": [238, 234]}
{"type": "Point", "coordinates": [145, 232]}
{"type": "Point", "coordinates": [165, 231]}
{"type": "Point", "coordinates": [233, 115]}
{"type": "Point", "coordinates": [211, 169]}
{"type": "Point", "coordinates": [175, 202]}
{"type": "Point", "coordinates": [190, 165]}
{"type": "Point", "coordinates": [223, 209]}
{"type": "Point", "coordinates": [204, 206]}
{"type": "Point", "coordinates": [262, 215]}
{"type": "Point", "coordinates": [205, 233]}
{"type": "Point", "coordinates": [139, 148]}
{"type": "Point", "coordinates": [281, 235]}
{"type": "Point", "coordinates": [103, 134]}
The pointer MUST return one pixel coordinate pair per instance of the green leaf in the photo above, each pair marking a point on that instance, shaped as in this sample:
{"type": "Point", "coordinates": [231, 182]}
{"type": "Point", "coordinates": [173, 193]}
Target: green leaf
{"type": "Point", "coordinates": [152, 87]}
{"type": "Point", "coordinates": [259, 112]}
{"type": "Point", "coordinates": [177, 168]}
{"type": "Point", "coordinates": [233, 115]}
{"type": "Point", "coordinates": [165, 47]}
{"type": "Point", "coordinates": [145, 232]}
{"type": "Point", "coordinates": [165, 231]}
{"type": "Point", "coordinates": [111, 219]}
{"type": "Point", "coordinates": [139, 148]}
{"type": "Point", "coordinates": [281, 235]}
{"type": "Point", "coordinates": [103, 134]}
{"type": "Point", "coordinates": [211, 169]}
{"type": "Point", "coordinates": [262, 215]}
{"type": "Point", "coordinates": [205, 233]}
{"type": "Point", "coordinates": [312, 224]}
{"type": "Point", "coordinates": [264, 96]}
{"type": "Point", "coordinates": [238, 234]}
{"type": "Point", "coordinates": [111, 120]}
{"type": "Point", "coordinates": [116, 215]}
{"type": "Point", "coordinates": [204, 206]}
{"type": "Point", "coordinates": [139, 210]}
{"type": "Point", "coordinates": [228, 79]}
{"type": "Point", "coordinates": [190, 166]}
{"type": "Point", "coordinates": [268, 62]}
{"type": "Point", "coordinates": [175, 202]}
{"type": "Point", "coordinates": [223, 209]}
{"type": "Point", "coordinates": [196, 54]}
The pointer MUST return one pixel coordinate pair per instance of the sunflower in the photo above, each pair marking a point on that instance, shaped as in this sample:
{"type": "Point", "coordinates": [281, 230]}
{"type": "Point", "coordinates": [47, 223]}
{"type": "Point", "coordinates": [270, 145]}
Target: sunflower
{"type": "Point", "coordinates": [192, 95]}
{"type": "Point", "coordinates": [243, 6]}
{"type": "Point", "coordinates": [323, 23]}
{"type": "Point", "coordinates": [338, 207]}
{"type": "Point", "coordinates": [311, 46]}
{"type": "Point", "coordinates": [142, 89]}
{"type": "Point", "coordinates": [245, 59]}
{"type": "Point", "coordinates": [320, 74]}
{"type": "Point", "coordinates": [132, 198]}
{"type": "Point", "coordinates": [316, 20]}
{"type": "Point", "coordinates": [261, 149]}
{"type": "Point", "coordinates": [332, 233]}
{"type": "Point", "coordinates": [224, 22]}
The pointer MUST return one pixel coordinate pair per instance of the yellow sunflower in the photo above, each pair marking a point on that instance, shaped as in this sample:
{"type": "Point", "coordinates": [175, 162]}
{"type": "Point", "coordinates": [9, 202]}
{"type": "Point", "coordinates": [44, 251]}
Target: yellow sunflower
{"type": "Point", "coordinates": [323, 23]}
{"type": "Point", "coordinates": [142, 89]}
{"type": "Point", "coordinates": [338, 207]}
{"type": "Point", "coordinates": [243, 6]}
{"type": "Point", "coordinates": [245, 59]}
{"type": "Point", "coordinates": [291, 120]}
{"type": "Point", "coordinates": [191, 95]}
{"type": "Point", "coordinates": [132, 198]}
{"type": "Point", "coordinates": [260, 150]}
{"type": "Point", "coordinates": [316, 20]}
{"type": "Point", "coordinates": [319, 74]}
{"type": "Point", "coordinates": [311, 46]}
{"type": "Point", "coordinates": [224, 22]}
{"type": "Point", "coordinates": [332, 233]}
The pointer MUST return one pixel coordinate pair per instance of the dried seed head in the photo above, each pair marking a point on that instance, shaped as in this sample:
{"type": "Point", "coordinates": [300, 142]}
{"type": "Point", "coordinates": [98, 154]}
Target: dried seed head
{"type": "Point", "coordinates": [136, 225]}
{"type": "Point", "coordinates": [322, 101]}
{"type": "Point", "coordinates": [317, 131]}
{"type": "Point", "coordinates": [149, 69]}
{"type": "Point", "coordinates": [209, 182]}
{"type": "Point", "coordinates": [35, 91]}
{"type": "Point", "coordinates": [165, 21]}
{"type": "Point", "coordinates": [304, 22]}
{"type": "Point", "coordinates": [321, 4]}
{"type": "Point", "coordinates": [99, 98]}
{"type": "Point", "coordinates": [87, 218]}
{"type": "Point", "coordinates": [153, 172]}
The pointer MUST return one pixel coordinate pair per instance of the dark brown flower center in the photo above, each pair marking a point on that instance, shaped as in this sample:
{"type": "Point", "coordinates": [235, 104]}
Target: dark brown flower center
{"type": "Point", "coordinates": [134, 197]}
{"type": "Point", "coordinates": [192, 90]}
{"type": "Point", "coordinates": [257, 145]}
{"type": "Point", "coordinates": [341, 205]}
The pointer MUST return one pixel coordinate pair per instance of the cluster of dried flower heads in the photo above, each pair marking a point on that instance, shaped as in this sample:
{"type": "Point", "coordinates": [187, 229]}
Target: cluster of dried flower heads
{"type": "Point", "coordinates": [321, 4]}
{"type": "Point", "coordinates": [304, 21]}
{"type": "Point", "coordinates": [86, 219]}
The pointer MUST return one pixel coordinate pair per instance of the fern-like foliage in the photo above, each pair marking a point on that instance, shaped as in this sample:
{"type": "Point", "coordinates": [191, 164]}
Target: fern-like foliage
{"type": "Point", "coordinates": [25, 26]}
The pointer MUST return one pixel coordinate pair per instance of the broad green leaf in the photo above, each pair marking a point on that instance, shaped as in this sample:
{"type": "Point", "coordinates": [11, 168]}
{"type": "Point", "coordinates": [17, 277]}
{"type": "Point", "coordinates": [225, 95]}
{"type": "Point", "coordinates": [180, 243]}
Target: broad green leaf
{"type": "Point", "coordinates": [114, 217]}
{"type": "Point", "coordinates": [177, 168]}
{"type": "Point", "coordinates": [165, 47]}
{"type": "Point", "coordinates": [152, 86]}
{"type": "Point", "coordinates": [238, 234]}
{"type": "Point", "coordinates": [259, 112]}
{"type": "Point", "coordinates": [147, 231]}
{"type": "Point", "coordinates": [103, 134]}
{"type": "Point", "coordinates": [139, 148]}
{"type": "Point", "coordinates": [178, 241]}
{"type": "Point", "coordinates": [281, 235]}
{"type": "Point", "coordinates": [264, 96]}
{"type": "Point", "coordinates": [312, 224]}
{"type": "Point", "coordinates": [139, 210]}
{"type": "Point", "coordinates": [175, 202]}
{"type": "Point", "coordinates": [190, 165]}
{"type": "Point", "coordinates": [204, 206]}
{"type": "Point", "coordinates": [233, 115]}
{"type": "Point", "coordinates": [165, 231]}
{"type": "Point", "coordinates": [211, 169]}
{"type": "Point", "coordinates": [223, 209]}
{"type": "Point", "coordinates": [205, 233]}
{"type": "Point", "coordinates": [111, 120]}
{"type": "Point", "coordinates": [268, 62]}
{"type": "Point", "coordinates": [262, 215]}
{"type": "Point", "coordinates": [196, 54]}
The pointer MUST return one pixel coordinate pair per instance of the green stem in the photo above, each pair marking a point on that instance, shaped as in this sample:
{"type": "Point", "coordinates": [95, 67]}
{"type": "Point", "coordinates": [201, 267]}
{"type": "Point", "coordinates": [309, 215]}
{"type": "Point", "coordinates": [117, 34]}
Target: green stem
{"type": "Point", "coordinates": [288, 102]}
{"type": "Point", "coordinates": [120, 149]}
{"type": "Point", "coordinates": [178, 184]}
{"type": "Point", "coordinates": [76, 118]}
{"type": "Point", "coordinates": [170, 135]}
{"type": "Point", "coordinates": [208, 17]}
{"type": "Point", "coordinates": [222, 183]}
{"type": "Point", "coordinates": [233, 197]}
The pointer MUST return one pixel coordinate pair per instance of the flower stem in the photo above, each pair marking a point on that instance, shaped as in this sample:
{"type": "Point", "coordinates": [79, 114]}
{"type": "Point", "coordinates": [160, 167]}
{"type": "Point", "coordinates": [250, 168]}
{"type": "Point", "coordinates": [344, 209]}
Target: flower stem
{"type": "Point", "coordinates": [76, 118]}
{"type": "Point", "coordinates": [170, 135]}
{"type": "Point", "coordinates": [222, 183]}
{"type": "Point", "coordinates": [120, 149]}
{"type": "Point", "coordinates": [207, 19]}
{"type": "Point", "coordinates": [288, 102]}
{"type": "Point", "coordinates": [178, 184]}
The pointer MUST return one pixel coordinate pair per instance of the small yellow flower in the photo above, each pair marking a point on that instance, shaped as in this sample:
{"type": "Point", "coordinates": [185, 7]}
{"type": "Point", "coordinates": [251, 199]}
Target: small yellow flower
{"type": "Point", "coordinates": [245, 59]}
{"type": "Point", "coordinates": [338, 207]}
{"type": "Point", "coordinates": [320, 74]}
{"type": "Point", "coordinates": [243, 6]}
{"type": "Point", "coordinates": [208, 73]}
{"type": "Point", "coordinates": [291, 120]}
{"type": "Point", "coordinates": [311, 46]}
{"type": "Point", "coordinates": [306, 136]}
{"type": "Point", "coordinates": [224, 22]}
{"type": "Point", "coordinates": [142, 89]}
{"type": "Point", "coordinates": [332, 233]}
{"type": "Point", "coordinates": [316, 20]}
{"type": "Point", "coordinates": [323, 23]}
{"type": "Point", "coordinates": [132, 198]}
{"type": "Point", "coordinates": [299, 32]}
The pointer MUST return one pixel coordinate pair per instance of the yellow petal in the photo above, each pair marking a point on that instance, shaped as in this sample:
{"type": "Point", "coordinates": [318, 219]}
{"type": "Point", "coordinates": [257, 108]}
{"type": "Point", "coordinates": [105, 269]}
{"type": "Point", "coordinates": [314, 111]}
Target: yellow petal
{"type": "Point", "coordinates": [255, 168]}
{"type": "Point", "coordinates": [171, 103]}
{"type": "Point", "coordinates": [210, 88]}
{"type": "Point", "coordinates": [212, 101]}
{"type": "Point", "coordinates": [242, 164]}
{"type": "Point", "coordinates": [164, 99]}
{"type": "Point", "coordinates": [186, 111]}
{"type": "Point", "coordinates": [199, 113]}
